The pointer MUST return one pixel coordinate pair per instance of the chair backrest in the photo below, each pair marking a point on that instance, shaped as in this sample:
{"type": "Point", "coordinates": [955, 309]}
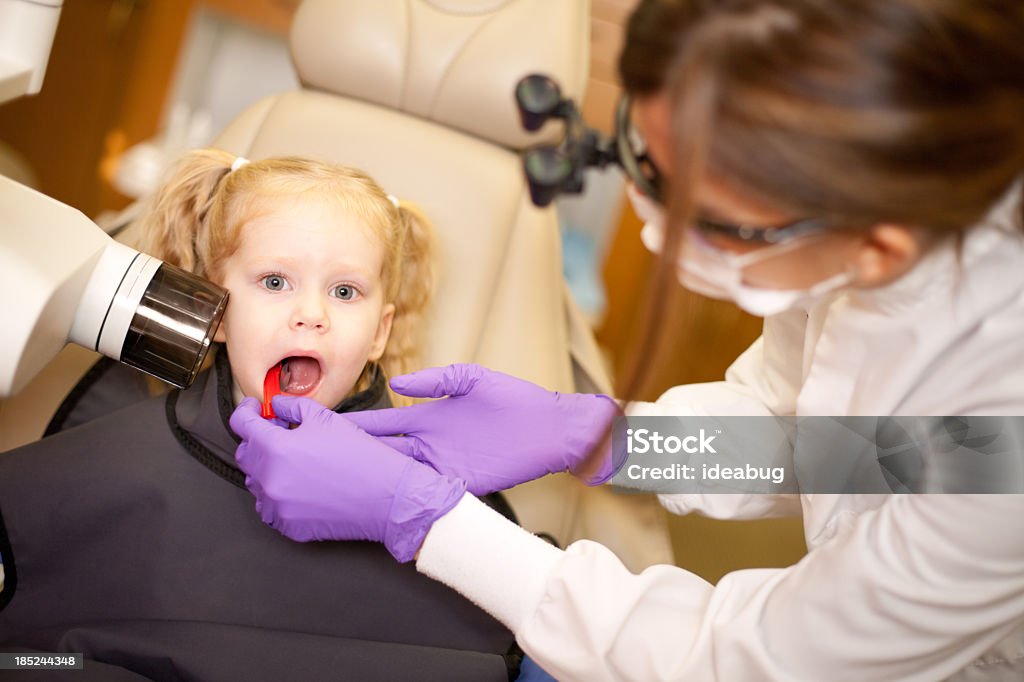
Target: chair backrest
{"type": "Point", "coordinates": [419, 93]}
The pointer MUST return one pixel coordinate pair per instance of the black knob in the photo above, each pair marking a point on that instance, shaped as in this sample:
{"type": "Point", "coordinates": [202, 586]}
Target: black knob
{"type": "Point", "coordinates": [548, 170]}
{"type": "Point", "coordinates": [539, 98]}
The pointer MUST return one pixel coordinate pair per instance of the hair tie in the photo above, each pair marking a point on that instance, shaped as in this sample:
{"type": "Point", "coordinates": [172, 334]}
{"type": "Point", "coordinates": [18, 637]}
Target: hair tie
{"type": "Point", "coordinates": [238, 163]}
{"type": "Point", "coordinates": [393, 199]}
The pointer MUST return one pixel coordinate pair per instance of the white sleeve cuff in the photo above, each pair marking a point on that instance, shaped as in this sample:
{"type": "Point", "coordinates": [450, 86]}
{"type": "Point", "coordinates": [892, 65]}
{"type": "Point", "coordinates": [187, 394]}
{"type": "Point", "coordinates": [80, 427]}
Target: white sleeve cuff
{"type": "Point", "coordinates": [494, 563]}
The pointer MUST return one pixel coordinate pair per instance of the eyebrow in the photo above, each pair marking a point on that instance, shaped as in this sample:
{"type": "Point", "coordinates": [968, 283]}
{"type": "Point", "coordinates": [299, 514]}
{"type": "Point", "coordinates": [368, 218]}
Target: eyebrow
{"type": "Point", "coordinates": [710, 214]}
{"type": "Point", "coordinates": [705, 211]}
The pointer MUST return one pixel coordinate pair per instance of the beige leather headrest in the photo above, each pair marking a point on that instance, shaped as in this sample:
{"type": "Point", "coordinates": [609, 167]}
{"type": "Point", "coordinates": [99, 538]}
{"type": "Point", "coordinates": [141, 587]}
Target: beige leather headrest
{"type": "Point", "coordinates": [454, 62]}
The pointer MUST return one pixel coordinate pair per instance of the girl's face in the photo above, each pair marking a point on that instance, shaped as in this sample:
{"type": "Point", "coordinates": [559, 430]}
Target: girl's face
{"type": "Point", "coordinates": [305, 283]}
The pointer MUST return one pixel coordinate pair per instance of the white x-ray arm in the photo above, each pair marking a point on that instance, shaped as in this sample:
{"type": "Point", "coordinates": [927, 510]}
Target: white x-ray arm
{"type": "Point", "coordinates": [27, 28]}
{"type": "Point", "coordinates": [65, 279]}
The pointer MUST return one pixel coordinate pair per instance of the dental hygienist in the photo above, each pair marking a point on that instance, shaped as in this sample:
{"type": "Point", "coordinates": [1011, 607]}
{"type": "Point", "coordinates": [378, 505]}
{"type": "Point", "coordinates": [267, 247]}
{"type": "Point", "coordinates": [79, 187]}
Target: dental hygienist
{"type": "Point", "coordinates": [848, 169]}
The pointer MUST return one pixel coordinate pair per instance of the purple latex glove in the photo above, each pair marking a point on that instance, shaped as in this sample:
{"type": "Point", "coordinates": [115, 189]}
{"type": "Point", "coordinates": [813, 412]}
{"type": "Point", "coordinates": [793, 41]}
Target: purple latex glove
{"type": "Point", "coordinates": [328, 480]}
{"type": "Point", "coordinates": [495, 431]}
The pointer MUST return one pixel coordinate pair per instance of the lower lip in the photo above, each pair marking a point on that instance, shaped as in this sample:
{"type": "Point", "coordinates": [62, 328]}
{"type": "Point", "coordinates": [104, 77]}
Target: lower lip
{"type": "Point", "coordinates": [307, 392]}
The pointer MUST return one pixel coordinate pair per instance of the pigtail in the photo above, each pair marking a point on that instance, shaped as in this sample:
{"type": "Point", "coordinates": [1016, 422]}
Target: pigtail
{"type": "Point", "coordinates": [174, 222]}
{"type": "Point", "coordinates": [412, 295]}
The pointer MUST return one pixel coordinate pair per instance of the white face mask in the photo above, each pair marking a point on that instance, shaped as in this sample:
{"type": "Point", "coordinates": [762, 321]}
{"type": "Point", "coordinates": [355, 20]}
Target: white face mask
{"type": "Point", "coordinates": [719, 274]}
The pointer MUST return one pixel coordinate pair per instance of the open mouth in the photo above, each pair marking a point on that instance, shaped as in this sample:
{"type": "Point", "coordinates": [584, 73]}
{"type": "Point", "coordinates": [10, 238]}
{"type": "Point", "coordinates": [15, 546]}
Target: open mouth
{"type": "Point", "coordinates": [294, 375]}
{"type": "Point", "coordinates": [299, 374]}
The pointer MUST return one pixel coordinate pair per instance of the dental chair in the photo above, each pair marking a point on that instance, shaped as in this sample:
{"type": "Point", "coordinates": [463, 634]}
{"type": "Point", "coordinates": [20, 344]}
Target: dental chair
{"type": "Point", "coordinates": [419, 93]}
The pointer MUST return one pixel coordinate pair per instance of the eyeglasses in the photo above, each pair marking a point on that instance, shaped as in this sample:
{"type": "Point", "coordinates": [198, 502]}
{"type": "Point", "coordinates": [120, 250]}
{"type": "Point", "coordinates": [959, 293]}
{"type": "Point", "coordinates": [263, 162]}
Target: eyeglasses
{"type": "Point", "coordinates": [556, 169]}
{"type": "Point", "coordinates": [631, 153]}
{"type": "Point", "coordinates": [642, 172]}
{"type": "Point", "coordinates": [750, 234]}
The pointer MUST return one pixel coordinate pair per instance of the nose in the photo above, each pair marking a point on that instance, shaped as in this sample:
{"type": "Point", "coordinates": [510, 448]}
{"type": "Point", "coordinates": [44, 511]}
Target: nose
{"type": "Point", "coordinates": [310, 314]}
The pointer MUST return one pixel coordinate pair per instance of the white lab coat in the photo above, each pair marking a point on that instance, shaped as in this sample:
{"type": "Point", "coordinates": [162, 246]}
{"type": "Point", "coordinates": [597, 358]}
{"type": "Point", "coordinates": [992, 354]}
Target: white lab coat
{"type": "Point", "coordinates": [911, 587]}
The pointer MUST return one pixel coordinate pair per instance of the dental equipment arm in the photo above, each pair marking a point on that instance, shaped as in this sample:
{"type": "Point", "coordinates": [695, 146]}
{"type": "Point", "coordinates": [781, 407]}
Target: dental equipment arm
{"type": "Point", "coordinates": [67, 280]}
{"type": "Point", "coordinates": [27, 28]}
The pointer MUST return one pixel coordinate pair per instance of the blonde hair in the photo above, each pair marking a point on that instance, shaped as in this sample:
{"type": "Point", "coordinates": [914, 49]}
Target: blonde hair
{"type": "Point", "coordinates": [196, 219]}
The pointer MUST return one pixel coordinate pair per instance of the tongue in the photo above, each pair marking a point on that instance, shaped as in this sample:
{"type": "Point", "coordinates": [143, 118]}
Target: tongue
{"type": "Point", "coordinates": [299, 375]}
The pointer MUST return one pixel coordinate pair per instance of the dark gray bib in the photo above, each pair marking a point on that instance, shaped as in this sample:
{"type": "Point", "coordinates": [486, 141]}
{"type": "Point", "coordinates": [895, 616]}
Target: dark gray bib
{"type": "Point", "coordinates": [130, 538]}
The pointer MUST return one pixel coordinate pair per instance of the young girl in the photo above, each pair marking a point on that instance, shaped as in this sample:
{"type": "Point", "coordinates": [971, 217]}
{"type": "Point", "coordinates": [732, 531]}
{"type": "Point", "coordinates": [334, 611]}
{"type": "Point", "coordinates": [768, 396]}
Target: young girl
{"type": "Point", "coordinates": [131, 537]}
{"type": "Point", "coordinates": [330, 267]}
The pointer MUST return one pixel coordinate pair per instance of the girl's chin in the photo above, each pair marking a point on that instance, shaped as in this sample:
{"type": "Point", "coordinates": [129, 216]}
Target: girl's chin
{"type": "Point", "coordinates": [325, 398]}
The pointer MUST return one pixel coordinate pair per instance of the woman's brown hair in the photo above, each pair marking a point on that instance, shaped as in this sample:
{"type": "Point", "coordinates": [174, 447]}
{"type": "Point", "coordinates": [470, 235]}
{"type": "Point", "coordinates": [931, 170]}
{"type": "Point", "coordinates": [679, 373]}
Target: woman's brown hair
{"type": "Point", "coordinates": [864, 112]}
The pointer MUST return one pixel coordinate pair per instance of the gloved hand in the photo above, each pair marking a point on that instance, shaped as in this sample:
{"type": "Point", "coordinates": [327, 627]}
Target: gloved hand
{"type": "Point", "coordinates": [328, 480]}
{"type": "Point", "coordinates": [495, 431]}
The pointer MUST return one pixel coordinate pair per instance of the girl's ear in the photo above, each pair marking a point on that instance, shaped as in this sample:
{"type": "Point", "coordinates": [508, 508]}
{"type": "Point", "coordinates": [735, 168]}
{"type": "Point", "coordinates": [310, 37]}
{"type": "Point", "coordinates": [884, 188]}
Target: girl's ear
{"type": "Point", "coordinates": [383, 333]}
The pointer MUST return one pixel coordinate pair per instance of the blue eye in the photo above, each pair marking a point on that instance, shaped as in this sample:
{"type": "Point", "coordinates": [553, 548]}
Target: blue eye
{"type": "Point", "coordinates": [345, 292]}
{"type": "Point", "coordinates": [274, 282]}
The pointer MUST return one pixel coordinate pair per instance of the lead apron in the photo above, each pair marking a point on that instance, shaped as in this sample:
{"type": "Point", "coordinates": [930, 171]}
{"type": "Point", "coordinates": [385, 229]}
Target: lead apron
{"type": "Point", "coordinates": [137, 547]}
